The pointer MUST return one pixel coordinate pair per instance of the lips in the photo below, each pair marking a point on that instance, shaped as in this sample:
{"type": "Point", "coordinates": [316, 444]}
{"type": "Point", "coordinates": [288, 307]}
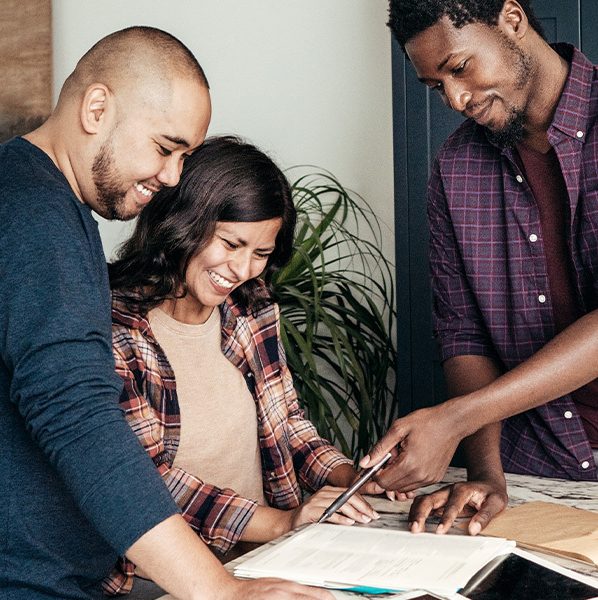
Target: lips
{"type": "Point", "coordinates": [220, 281]}
{"type": "Point", "coordinates": [144, 192]}
{"type": "Point", "coordinates": [481, 116]}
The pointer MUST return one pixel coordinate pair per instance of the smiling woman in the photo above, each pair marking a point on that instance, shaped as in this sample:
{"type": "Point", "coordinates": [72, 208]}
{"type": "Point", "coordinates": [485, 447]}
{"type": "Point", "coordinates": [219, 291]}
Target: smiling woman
{"type": "Point", "coordinates": [228, 188]}
{"type": "Point", "coordinates": [196, 340]}
{"type": "Point", "coordinates": [237, 253]}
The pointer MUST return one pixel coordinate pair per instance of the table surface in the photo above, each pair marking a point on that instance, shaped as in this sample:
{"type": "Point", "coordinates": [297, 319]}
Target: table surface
{"type": "Point", "coordinates": [521, 488]}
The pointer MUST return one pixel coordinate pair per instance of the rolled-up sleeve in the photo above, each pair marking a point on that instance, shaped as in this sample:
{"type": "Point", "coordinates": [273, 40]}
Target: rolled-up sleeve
{"type": "Point", "coordinates": [313, 457]}
{"type": "Point", "coordinates": [457, 322]}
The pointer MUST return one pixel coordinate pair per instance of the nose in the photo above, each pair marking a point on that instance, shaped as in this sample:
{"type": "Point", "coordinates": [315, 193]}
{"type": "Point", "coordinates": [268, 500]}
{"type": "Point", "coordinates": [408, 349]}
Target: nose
{"type": "Point", "coordinates": [456, 97]}
{"type": "Point", "coordinates": [240, 265]}
{"type": "Point", "coordinates": [171, 171]}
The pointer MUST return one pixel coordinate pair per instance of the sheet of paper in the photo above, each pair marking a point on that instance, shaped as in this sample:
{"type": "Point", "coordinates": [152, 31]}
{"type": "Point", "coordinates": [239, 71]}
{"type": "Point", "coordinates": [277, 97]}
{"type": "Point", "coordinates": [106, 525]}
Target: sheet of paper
{"type": "Point", "coordinates": [550, 527]}
{"type": "Point", "coordinates": [336, 556]}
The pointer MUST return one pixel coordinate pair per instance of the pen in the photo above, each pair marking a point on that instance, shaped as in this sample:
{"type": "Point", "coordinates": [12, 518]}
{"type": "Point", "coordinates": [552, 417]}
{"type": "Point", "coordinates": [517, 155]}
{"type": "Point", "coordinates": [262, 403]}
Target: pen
{"type": "Point", "coordinates": [366, 475]}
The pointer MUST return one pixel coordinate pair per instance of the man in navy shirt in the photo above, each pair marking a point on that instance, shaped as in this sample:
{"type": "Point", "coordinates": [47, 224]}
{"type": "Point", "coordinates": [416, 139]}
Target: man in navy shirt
{"type": "Point", "coordinates": [76, 488]}
{"type": "Point", "coordinates": [513, 212]}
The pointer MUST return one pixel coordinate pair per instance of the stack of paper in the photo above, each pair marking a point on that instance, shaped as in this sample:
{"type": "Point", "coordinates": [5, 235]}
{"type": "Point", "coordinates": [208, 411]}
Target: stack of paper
{"type": "Point", "coordinates": [342, 557]}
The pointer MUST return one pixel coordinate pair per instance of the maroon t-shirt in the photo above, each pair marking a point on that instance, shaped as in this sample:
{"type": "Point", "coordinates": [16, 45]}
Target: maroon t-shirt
{"type": "Point", "coordinates": [546, 181]}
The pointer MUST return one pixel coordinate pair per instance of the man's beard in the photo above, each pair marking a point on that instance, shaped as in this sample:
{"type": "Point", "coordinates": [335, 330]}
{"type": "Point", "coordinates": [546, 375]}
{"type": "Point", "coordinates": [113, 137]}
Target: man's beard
{"type": "Point", "coordinates": [111, 197]}
{"type": "Point", "coordinates": [513, 132]}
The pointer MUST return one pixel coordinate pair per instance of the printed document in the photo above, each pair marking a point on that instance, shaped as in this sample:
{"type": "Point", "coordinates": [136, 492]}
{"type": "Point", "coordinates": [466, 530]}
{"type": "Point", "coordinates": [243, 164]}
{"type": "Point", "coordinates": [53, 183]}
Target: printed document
{"type": "Point", "coordinates": [338, 556]}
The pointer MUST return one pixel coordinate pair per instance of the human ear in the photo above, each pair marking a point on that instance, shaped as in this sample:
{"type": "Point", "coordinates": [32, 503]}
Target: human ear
{"type": "Point", "coordinates": [94, 107]}
{"type": "Point", "coordinates": [512, 19]}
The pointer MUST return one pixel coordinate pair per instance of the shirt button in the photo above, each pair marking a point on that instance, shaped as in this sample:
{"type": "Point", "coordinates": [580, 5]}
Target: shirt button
{"type": "Point", "coordinates": [519, 178]}
{"type": "Point", "coordinates": [568, 414]}
{"type": "Point", "coordinates": [585, 464]}
{"type": "Point", "coordinates": [541, 298]}
{"type": "Point", "coordinates": [579, 134]}
{"type": "Point", "coordinates": [533, 237]}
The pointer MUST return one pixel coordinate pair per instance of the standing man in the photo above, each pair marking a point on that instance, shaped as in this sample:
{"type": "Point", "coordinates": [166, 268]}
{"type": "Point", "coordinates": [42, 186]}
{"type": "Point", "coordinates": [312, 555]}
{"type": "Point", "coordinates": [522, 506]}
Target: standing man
{"type": "Point", "coordinates": [513, 212]}
{"type": "Point", "coordinates": [76, 488]}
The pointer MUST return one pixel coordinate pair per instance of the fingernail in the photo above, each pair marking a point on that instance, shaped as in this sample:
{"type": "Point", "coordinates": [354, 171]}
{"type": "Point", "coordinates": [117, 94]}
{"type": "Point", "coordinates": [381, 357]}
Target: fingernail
{"type": "Point", "coordinates": [440, 529]}
{"type": "Point", "coordinates": [365, 461]}
{"type": "Point", "coordinates": [475, 528]}
{"type": "Point", "coordinates": [376, 515]}
{"type": "Point", "coordinates": [414, 526]}
{"type": "Point", "coordinates": [365, 519]}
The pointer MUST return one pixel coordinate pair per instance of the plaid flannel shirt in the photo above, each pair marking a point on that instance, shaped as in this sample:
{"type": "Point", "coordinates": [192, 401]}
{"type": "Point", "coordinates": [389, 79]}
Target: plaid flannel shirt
{"type": "Point", "coordinates": [489, 276]}
{"type": "Point", "coordinates": [293, 455]}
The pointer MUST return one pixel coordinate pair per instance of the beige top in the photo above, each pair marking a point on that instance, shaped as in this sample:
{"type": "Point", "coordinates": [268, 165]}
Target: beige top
{"type": "Point", "coordinates": [219, 440]}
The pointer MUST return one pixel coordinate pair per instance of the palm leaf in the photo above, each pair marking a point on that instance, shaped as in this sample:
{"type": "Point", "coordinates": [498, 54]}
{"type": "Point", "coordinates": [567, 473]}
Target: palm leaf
{"type": "Point", "coordinates": [336, 298]}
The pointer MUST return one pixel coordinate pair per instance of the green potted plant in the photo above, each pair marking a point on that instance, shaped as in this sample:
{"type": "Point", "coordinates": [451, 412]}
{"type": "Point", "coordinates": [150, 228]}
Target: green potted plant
{"type": "Point", "coordinates": [337, 315]}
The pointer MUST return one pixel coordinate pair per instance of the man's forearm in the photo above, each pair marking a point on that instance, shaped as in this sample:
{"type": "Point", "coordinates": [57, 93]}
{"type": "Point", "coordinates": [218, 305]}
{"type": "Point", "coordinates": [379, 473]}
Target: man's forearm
{"type": "Point", "coordinates": [464, 375]}
{"type": "Point", "coordinates": [178, 561]}
{"type": "Point", "coordinates": [429, 436]}
{"type": "Point", "coordinates": [482, 454]}
{"type": "Point", "coordinates": [564, 364]}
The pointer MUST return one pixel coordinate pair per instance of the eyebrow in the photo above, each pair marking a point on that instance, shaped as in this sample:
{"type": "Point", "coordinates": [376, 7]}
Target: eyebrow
{"type": "Point", "coordinates": [439, 67]}
{"type": "Point", "coordinates": [244, 243]}
{"type": "Point", "coordinates": [177, 140]}
{"type": "Point", "coordinates": [443, 63]}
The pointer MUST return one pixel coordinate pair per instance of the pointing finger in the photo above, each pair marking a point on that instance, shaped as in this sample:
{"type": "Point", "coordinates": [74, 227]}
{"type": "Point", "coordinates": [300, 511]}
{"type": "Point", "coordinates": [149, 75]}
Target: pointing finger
{"type": "Point", "coordinates": [388, 443]}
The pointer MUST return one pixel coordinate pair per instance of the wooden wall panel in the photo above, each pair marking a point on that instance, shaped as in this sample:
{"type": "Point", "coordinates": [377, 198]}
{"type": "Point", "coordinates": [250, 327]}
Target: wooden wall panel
{"type": "Point", "coordinates": [25, 65]}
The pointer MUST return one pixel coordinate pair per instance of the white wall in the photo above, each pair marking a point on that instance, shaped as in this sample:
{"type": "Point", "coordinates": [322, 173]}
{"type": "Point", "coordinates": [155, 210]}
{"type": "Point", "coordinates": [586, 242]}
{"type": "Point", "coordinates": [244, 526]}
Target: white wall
{"type": "Point", "coordinates": [309, 81]}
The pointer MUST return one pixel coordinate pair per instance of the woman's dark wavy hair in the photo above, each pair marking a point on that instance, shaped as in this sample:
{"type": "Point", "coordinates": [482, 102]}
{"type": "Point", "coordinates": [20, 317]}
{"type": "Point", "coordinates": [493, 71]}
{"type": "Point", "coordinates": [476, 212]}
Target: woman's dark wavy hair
{"type": "Point", "coordinates": [226, 179]}
{"type": "Point", "coordinates": [408, 18]}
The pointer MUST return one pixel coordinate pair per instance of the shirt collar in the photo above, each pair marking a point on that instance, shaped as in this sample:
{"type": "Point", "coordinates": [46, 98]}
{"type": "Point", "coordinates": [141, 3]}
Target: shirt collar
{"type": "Point", "coordinates": [230, 312]}
{"type": "Point", "coordinates": [573, 110]}
{"type": "Point", "coordinates": [122, 315]}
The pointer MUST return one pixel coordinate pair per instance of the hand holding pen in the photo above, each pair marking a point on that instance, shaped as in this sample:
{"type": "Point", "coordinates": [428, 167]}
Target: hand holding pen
{"type": "Point", "coordinates": [363, 478]}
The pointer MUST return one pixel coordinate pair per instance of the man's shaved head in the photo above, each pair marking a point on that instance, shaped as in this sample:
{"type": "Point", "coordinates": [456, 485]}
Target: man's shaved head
{"type": "Point", "coordinates": [130, 57]}
{"type": "Point", "coordinates": [136, 105]}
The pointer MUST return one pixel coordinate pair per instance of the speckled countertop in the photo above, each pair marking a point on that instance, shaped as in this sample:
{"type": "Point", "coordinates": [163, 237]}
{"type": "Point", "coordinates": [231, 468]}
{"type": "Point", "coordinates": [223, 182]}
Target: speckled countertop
{"type": "Point", "coordinates": [521, 488]}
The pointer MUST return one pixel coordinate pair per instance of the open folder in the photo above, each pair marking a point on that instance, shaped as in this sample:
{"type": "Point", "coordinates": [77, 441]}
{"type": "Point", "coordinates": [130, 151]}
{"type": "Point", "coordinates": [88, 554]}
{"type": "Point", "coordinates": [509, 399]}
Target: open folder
{"type": "Point", "coordinates": [343, 557]}
{"type": "Point", "coordinates": [552, 528]}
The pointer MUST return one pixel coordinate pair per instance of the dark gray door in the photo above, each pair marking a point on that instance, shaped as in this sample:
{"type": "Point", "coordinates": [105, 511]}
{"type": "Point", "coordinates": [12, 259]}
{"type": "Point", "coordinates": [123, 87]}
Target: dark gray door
{"type": "Point", "coordinates": [421, 123]}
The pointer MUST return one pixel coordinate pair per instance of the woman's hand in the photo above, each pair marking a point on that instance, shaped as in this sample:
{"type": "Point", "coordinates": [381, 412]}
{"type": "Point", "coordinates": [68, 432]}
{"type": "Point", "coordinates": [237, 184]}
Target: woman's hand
{"type": "Point", "coordinates": [355, 510]}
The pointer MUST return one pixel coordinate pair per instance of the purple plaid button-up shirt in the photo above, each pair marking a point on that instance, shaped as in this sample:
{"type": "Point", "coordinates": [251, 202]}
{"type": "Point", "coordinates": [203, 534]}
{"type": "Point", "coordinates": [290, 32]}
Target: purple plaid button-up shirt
{"type": "Point", "coordinates": [489, 278]}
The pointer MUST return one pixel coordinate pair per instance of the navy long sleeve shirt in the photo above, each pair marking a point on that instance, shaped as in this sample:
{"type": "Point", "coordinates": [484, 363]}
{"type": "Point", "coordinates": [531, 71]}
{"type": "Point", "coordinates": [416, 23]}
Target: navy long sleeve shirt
{"type": "Point", "coordinates": [76, 487]}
